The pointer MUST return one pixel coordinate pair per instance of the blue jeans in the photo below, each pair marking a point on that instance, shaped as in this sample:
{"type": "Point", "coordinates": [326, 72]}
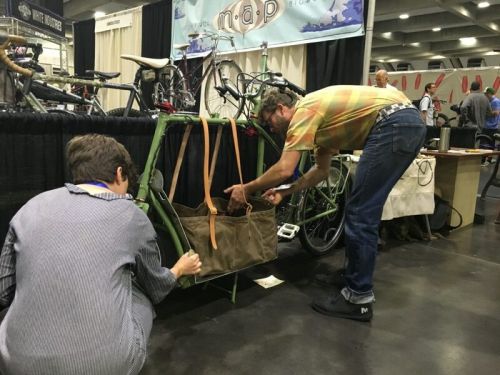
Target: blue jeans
{"type": "Point", "coordinates": [390, 148]}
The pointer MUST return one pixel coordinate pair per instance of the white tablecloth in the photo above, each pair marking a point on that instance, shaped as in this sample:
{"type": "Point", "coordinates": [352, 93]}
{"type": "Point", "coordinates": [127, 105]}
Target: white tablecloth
{"type": "Point", "coordinates": [413, 194]}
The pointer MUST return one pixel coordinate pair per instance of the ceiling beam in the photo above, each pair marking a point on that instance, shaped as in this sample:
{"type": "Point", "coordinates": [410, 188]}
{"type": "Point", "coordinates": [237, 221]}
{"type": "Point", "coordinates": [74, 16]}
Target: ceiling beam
{"type": "Point", "coordinates": [468, 12]}
{"type": "Point", "coordinates": [420, 23]}
{"type": "Point", "coordinates": [395, 7]}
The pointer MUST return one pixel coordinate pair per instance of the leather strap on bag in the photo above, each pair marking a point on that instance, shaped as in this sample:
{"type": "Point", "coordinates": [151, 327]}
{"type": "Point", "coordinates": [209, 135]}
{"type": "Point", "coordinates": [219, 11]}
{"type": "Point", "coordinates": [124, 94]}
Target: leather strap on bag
{"type": "Point", "coordinates": [206, 183]}
{"type": "Point", "coordinates": [180, 158]}
{"type": "Point", "coordinates": [215, 154]}
{"type": "Point", "coordinates": [238, 161]}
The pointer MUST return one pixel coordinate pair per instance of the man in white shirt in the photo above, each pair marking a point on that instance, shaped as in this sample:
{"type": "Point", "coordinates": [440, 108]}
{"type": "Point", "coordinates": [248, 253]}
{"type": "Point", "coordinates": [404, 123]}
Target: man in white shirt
{"type": "Point", "coordinates": [382, 79]}
{"type": "Point", "coordinates": [427, 106]}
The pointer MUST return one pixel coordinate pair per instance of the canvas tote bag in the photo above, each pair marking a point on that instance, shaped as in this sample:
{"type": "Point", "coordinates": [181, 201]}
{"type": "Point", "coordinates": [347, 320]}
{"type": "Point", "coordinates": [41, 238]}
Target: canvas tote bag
{"type": "Point", "coordinates": [227, 243]}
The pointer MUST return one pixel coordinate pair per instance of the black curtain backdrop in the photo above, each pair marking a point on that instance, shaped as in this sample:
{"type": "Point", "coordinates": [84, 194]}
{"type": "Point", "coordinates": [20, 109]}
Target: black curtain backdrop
{"type": "Point", "coordinates": [55, 6]}
{"type": "Point", "coordinates": [335, 62]}
{"type": "Point", "coordinates": [156, 37]}
{"type": "Point", "coordinates": [84, 44]}
{"type": "Point", "coordinates": [157, 29]}
{"type": "Point", "coordinates": [32, 155]}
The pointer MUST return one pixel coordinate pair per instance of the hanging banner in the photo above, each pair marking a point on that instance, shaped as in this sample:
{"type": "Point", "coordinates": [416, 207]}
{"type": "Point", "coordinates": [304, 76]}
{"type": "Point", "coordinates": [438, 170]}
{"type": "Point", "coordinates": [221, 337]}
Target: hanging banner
{"type": "Point", "coordinates": [250, 22]}
{"type": "Point", "coordinates": [35, 15]}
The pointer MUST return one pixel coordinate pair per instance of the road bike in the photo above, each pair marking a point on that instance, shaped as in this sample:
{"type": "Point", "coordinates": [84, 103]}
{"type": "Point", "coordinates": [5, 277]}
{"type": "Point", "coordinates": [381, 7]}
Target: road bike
{"type": "Point", "coordinates": [36, 90]}
{"type": "Point", "coordinates": [180, 85]}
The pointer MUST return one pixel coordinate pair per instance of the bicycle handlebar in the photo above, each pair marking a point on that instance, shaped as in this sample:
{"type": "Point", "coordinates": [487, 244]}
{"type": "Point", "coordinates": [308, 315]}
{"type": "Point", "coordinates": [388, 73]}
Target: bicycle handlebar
{"type": "Point", "coordinates": [275, 80]}
{"type": "Point", "coordinates": [214, 36]}
{"type": "Point", "coordinates": [6, 40]}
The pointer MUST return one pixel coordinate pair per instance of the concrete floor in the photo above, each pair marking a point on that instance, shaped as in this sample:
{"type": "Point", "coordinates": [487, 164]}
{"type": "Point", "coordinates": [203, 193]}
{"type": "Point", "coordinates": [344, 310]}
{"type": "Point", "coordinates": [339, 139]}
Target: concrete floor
{"type": "Point", "coordinates": [437, 312]}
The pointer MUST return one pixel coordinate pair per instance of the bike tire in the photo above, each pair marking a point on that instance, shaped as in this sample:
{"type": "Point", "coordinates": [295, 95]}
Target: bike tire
{"type": "Point", "coordinates": [219, 102]}
{"type": "Point", "coordinates": [320, 236]}
{"type": "Point", "coordinates": [119, 112]}
{"type": "Point", "coordinates": [172, 87]}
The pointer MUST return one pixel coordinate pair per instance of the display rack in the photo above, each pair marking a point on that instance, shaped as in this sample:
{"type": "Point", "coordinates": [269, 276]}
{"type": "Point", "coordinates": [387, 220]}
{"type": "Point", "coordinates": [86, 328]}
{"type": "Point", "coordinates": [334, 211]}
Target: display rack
{"type": "Point", "coordinates": [48, 40]}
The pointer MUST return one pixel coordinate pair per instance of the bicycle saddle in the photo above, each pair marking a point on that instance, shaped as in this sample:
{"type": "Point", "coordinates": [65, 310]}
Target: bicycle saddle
{"type": "Point", "coordinates": [103, 75]}
{"type": "Point", "coordinates": [146, 61]}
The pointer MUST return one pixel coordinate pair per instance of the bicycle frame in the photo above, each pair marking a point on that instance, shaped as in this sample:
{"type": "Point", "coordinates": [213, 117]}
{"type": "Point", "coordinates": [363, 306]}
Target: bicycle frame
{"type": "Point", "coordinates": [134, 93]}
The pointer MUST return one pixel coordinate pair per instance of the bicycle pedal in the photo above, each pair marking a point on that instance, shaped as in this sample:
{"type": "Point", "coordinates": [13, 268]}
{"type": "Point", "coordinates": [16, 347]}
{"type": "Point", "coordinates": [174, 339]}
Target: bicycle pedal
{"type": "Point", "coordinates": [288, 231]}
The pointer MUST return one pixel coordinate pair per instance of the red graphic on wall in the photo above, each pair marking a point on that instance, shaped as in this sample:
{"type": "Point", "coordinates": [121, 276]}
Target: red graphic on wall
{"type": "Point", "coordinates": [403, 83]}
{"type": "Point", "coordinates": [369, 82]}
{"type": "Point", "coordinates": [496, 84]}
{"type": "Point", "coordinates": [450, 98]}
{"type": "Point", "coordinates": [480, 81]}
{"type": "Point", "coordinates": [418, 78]}
{"type": "Point", "coordinates": [395, 83]}
{"type": "Point", "coordinates": [439, 79]}
{"type": "Point", "coordinates": [465, 84]}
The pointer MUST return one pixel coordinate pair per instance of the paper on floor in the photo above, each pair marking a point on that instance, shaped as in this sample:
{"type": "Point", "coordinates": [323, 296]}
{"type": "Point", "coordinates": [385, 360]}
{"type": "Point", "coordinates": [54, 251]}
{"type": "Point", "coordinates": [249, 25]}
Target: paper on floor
{"type": "Point", "coordinates": [268, 282]}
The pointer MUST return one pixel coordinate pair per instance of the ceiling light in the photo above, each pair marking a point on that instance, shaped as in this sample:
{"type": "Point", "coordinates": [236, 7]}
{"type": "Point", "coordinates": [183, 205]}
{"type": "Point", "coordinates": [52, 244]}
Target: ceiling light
{"type": "Point", "coordinates": [381, 61]}
{"type": "Point", "coordinates": [436, 29]}
{"type": "Point", "coordinates": [468, 41]}
{"type": "Point", "coordinates": [393, 60]}
{"type": "Point", "coordinates": [99, 14]}
{"type": "Point", "coordinates": [483, 4]}
{"type": "Point", "coordinates": [387, 35]}
{"type": "Point", "coordinates": [437, 57]}
{"type": "Point", "coordinates": [404, 16]}
{"type": "Point", "coordinates": [416, 44]}
{"type": "Point", "coordinates": [492, 53]}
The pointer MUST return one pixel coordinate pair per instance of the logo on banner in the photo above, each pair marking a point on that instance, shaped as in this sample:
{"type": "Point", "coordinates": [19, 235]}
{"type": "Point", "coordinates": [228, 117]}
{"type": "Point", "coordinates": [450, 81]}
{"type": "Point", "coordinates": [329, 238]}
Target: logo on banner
{"type": "Point", "coordinates": [245, 15]}
{"type": "Point", "coordinates": [25, 11]}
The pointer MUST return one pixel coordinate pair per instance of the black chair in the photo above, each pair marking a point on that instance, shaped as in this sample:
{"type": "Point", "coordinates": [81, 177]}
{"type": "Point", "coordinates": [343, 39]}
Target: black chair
{"type": "Point", "coordinates": [494, 179]}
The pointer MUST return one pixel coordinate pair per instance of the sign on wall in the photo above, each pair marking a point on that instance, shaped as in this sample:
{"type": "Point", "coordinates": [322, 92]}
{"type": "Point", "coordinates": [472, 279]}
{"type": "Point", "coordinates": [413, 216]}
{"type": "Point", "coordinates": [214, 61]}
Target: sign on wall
{"type": "Point", "coordinates": [36, 16]}
{"type": "Point", "coordinates": [113, 22]}
{"type": "Point", "coordinates": [279, 22]}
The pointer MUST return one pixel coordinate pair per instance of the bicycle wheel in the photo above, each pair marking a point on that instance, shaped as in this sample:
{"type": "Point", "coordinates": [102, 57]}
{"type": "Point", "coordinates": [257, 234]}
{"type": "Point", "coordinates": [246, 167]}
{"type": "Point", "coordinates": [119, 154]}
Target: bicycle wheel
{"type": "Point", "coordinates": [119, 112]}
{"type": "Point", "coordinates": [172, 87]}
{"type": "Point", "coordinates": [319, 236]}
{"type": "Point", "coordinates": [219, 101]}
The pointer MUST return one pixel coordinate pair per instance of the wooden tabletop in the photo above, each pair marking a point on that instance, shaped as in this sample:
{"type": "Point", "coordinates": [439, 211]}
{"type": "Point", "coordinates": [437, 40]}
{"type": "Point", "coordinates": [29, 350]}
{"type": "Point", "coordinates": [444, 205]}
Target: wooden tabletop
{"type": "Point", "coordinates": [456, 152]}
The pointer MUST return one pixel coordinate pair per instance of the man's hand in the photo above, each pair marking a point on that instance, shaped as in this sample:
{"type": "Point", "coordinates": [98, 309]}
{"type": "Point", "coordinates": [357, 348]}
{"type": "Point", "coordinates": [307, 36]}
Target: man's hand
{"type": "Point", "coordinates": [273, 196]}
{"type": "Point", "coordinates": [188, 264]}
{"type": "Point", "coordinates": [237, 199]}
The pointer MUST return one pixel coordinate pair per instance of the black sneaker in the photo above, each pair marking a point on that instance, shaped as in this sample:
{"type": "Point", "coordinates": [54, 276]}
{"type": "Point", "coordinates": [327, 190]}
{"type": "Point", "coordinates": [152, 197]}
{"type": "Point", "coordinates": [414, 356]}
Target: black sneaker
{"type": "Point", "coordinates": [338, 306]}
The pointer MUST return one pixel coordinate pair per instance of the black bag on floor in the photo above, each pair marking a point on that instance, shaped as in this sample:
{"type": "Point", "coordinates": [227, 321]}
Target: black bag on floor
{"type": "Point", "coordinates": [439, 221]}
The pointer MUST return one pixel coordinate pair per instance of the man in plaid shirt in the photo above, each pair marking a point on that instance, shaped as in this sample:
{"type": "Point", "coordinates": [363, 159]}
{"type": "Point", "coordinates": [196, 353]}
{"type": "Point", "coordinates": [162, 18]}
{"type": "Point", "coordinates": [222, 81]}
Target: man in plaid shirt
{"type": "Point", "coordinates": [388, 129]}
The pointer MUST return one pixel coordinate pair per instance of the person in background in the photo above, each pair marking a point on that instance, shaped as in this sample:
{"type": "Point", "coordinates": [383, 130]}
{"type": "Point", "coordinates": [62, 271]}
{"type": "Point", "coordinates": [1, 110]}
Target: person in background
{"type": "Point", "coordinates": [426, 105]}
{"type": "Point", "coordinates": [382, 79]}
{"type": "Point", "coordinates": [475, 108]}
{"type": "Point", "coordinates": [80, 270]}
{"type": "Point", "coordinates": [492, 123]}
{"type": "Point", "coordinates": [390, 131]}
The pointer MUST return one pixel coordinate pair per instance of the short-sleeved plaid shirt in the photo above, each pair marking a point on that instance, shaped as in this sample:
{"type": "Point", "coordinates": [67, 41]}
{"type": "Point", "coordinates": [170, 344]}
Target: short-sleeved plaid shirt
{"type": "Point", "coordinates": [338, 117]}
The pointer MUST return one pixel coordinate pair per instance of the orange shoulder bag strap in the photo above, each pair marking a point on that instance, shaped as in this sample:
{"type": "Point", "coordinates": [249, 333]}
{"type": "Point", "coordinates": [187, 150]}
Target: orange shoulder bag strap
{"type": "Point", "coordinates": [206, 183]}
{"type": "Point", "coordinates": [238, 161]}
